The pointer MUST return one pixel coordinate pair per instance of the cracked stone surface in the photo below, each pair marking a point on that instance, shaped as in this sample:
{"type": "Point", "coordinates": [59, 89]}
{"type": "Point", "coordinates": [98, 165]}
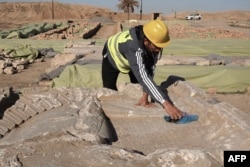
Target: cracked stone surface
{"type": "Point", "coordinates": [101, 127]}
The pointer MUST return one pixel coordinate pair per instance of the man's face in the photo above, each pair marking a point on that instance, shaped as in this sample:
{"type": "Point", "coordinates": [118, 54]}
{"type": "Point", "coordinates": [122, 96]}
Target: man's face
{"type": "Point", "coordinates": [151, 47]}
{"type": "Point", "coordinates": [154, 48]}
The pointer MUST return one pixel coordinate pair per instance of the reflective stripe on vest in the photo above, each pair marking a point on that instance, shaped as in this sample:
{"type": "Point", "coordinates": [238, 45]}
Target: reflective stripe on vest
{"type": "Point", "coordinates": [113, 43]}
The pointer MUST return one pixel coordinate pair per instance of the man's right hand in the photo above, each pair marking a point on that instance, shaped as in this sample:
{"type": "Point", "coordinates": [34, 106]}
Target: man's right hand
{"type": "Point", "coordinates": [173, 111]}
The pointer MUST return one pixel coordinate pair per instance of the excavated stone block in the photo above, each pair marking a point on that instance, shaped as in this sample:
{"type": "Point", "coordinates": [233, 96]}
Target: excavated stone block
{"type": "Point", "coordinates": [54, 102]}
{"type": "Point", "coordinates": [53, 98]}
{"type": "Point", "coordinates": [63, 99]}
{"type": "Point", "coordinates": [25, 99]}
{"type": "Point", "coordinates": [48, 103]}
{"type": "Point", "coordinates": [37, 107]}
{"type": "Point", "coordinates": [31, 98]}
{"type": "Point", "coordinates": [61, 59]}
{"type": "Point", "coordinates": [185, 88]}
{"type": "Point", "coordinates": [44, 105]}
{"type": "Point", "coordinates": [20, 104]}
{"type": "Point", "coordinates": [24, 115]}
{"type": "Point", "coordinates": [18, 115]}
{"type": "Point", "coordinates": [8, 124]}
{"type": "Point", "coordinates": [31, 110]}
{"type": "Point", "coordinates": [30, 91]}
{"type": "Point", "coordinates": [131, 90]}
{"type": "Point", "coordinates": [13, 118]}
{"type": "Point", "coordinates": [92, 124]}
{"type": "Point", "coordinates": [79, 94]}
{"type": "Point", "coordinates": [3, 130]}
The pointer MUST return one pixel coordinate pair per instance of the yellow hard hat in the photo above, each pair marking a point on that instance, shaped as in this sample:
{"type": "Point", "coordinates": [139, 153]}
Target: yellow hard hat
{"type": "Point", "coordinates": [157, 32]}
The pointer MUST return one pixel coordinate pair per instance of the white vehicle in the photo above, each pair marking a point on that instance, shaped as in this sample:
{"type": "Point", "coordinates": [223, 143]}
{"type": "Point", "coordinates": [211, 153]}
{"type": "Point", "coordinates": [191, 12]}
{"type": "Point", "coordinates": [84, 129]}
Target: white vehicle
{"type": "Point", "coordinates": [193, 16]}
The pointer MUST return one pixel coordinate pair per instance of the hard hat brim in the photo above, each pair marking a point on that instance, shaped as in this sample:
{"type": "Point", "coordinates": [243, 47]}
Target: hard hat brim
{"type": "Point", "coordinates": [161, 45]}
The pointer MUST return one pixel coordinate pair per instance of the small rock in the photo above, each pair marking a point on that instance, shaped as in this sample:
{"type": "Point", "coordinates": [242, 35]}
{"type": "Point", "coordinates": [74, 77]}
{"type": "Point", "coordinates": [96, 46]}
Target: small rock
{"type": "Point", "coordinates": [9, 70]}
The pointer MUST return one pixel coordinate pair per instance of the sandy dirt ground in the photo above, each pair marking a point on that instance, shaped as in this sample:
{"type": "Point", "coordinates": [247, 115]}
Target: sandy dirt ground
{"type": "Point", "coordinates": [29, 77]}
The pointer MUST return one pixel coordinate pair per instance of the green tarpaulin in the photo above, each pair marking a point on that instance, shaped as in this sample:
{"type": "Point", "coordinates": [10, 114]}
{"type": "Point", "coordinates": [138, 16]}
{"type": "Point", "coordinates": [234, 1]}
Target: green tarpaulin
{"type": "Point", "coordinates": [25, 51]}
{"type": "Point", "coordinates": [79, 76]}
{"type": "Point", "coordinates": [227, 79]}
{"type": "Point", "coordinates": [30, 30]}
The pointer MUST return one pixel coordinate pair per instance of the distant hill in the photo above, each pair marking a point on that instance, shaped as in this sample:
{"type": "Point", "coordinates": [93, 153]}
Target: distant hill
{"type": "Point", "coordinates": [13, 15]}
{"type": "Point", "coordinates": [33, 11]}
{"type": "Point", "coordinates": [20, 12]}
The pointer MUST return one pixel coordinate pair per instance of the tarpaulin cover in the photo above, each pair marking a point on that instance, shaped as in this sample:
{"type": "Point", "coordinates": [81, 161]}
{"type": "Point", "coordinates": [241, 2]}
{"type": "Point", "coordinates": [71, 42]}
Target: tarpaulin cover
{"type": "Point", "coordinates": [226, 79]}
{"type": "Point", "coordinates": [25, 51]}
{"type": "Point", "coordinates": [79, 76]}
{"type": "Point", "coordinates": [30, 30]}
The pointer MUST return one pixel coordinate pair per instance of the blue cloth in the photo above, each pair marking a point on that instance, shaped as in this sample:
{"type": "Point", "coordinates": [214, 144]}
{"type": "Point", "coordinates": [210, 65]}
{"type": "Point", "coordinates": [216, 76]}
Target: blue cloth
{"type": "Point", "coordinates": [185, 119]}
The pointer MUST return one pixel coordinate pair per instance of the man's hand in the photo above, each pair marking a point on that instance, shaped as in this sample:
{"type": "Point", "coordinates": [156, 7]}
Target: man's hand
{"type": "Point", "coordinates": [173, 111]}
{"type": "Point", "coordinates": [143, 101]}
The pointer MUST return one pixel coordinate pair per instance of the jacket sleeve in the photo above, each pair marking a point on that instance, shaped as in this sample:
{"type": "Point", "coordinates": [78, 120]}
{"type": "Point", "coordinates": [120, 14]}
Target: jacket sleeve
{"type": "Point", "coordinates": [135, 59]}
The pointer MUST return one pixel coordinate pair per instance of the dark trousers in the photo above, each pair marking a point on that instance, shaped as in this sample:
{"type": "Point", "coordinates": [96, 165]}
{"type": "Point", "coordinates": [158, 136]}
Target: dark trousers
{"type": "Point", "coordinates": [110, 75]}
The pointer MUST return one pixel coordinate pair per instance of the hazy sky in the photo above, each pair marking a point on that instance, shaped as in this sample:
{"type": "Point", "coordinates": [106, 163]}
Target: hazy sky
{"type": "Point", "coordinates": [164, 6]}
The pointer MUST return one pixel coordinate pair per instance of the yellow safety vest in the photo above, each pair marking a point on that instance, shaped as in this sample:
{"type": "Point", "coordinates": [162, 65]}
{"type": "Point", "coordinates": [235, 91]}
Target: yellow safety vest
{"type": "Point", "coordinates": [113, 44]}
